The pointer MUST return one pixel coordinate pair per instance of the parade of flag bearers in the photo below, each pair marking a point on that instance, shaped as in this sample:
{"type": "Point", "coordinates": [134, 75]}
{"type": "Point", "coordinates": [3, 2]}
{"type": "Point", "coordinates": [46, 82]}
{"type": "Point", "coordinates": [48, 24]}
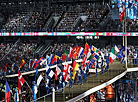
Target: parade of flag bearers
{"type": "Point", "coordinates": [65, 69]}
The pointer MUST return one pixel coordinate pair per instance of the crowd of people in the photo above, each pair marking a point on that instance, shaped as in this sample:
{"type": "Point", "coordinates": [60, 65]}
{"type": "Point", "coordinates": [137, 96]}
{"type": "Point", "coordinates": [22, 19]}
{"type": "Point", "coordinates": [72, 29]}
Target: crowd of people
{"type": "Point", "coordinates": [14, 53]}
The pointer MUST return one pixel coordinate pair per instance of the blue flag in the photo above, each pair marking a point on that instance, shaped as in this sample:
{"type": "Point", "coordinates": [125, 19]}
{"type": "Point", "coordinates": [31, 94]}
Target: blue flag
{"type": "Point", "coordinates": [122, 52]}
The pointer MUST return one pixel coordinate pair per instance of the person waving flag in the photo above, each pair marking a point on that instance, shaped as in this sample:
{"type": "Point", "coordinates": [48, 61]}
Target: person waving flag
{"type": "Point", "coordinates": [8, 92]}
{"type": "Point", "coordinates": [21, 81]}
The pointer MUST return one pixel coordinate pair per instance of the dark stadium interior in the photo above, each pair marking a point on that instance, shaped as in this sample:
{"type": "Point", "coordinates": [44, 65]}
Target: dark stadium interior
{"type": "Point", "coordinates": [60, 15]}
{"type": "Point", "coordinates": [102, 44]}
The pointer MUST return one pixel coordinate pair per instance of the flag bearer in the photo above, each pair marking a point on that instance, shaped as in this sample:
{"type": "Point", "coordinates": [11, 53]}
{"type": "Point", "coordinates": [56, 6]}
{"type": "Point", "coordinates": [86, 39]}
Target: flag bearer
{"type": "Point", "coordinates": [71, 78]}
{"type": "Point", "coordinates": [34, 91]}
{"type": "Point", "coordinates": [80, 75]}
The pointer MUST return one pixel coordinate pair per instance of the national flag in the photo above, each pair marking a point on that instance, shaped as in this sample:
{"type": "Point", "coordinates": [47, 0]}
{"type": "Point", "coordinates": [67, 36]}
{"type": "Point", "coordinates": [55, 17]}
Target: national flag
{"type": "Point", "coordinates": [49, 72]}
{"type": "Point", "coordinates": [116, 50]}
{"type": "Point", "coordinates": [21, 81]}
{"type": "Point", "coordinates": [71, 53]}
{"type": "Point", "coordinates": [93, 53]}
{"type": "Point", "coordinates": [57, 72]}
{"type": "Point", "coordinates": [13, 65]}
{"type": "Point", "coordinates": [94, 48]}
{"type": "Point", "coordinates": [22, 63]}
{"type": "Point", "coordinates": [38, 62]}
{"type": "Point", "coordinates": [112, 55]}
{"type": "Point", "coordinates": [75, 68]}
{"type": "Point", "coordinates": [53, 59]}
{"type": "Point", "coordinates": [43, 61]}
{"type": "Point", "coordinates": [8, 92]}
{"type": "Point", "coordinates": [84, 61]}
{"type": "Point", "coordinates": [6, 66]}
{"type": "Point", "coordinates": [76, 52]}
{"type": "Point", "coordinates": [49, 59]}
{"type": "Point", "coordinates": [36, 74]}
{"type": "Point", "coordinates": [94, 58]}
{"type": "Point", "coordinates": [66, 71]}
{"type": "Point", "coordinates": [65, 54]}
{"type": "Point", "coordinates": [58, 55]}
{"type": "Point", "coordinates": [34, 63]}
{"type": "Point", "coordinates": [90, 58]}
{"type": "Point", "coordinates": [39, 80]}
{"type": "Point", "coordinates": [122, 15]}
{"type": "Point", "coordinates": [122, 52]}
{"type": "Point", "coordinates": [91, 47]}
{"type": "Point", "coordinates": [81, 52]}
{"type": "Point", "coordinates": [87, 47]}
{"type": "Point", "coordinates": [31, 63]}
{"type": "Point", "coordinates": [88, 54]}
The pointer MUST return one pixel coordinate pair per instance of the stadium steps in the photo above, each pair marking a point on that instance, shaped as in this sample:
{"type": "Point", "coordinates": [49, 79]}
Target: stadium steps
{"type": "Point", "coordinates": [44, 52]}
{"type": "Point", "coordinates": [38, 48]}
{"type": "Point", "coordinates": [47, 20]}
{"type": "Point", "coordinates": [59, 20]}
{"type": "Point", "coordinates": [42, 48]}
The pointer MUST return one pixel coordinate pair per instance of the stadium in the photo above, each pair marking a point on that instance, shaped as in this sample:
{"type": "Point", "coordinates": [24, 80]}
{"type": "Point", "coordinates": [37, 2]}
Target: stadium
{"type": "Point", "coordinates": [68, 50]}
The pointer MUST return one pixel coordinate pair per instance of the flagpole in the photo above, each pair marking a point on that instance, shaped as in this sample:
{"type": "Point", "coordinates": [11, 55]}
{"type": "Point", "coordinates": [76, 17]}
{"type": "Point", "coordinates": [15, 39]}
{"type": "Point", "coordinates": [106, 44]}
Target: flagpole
{"type": "Point", "coordinates": [123, 34]}
{"type": "Point", "coordinates": [28, 86]}
{"type": "Point", "coordinates": [125, 40]}
{"type": "Point", "coordinates": [5, 94]}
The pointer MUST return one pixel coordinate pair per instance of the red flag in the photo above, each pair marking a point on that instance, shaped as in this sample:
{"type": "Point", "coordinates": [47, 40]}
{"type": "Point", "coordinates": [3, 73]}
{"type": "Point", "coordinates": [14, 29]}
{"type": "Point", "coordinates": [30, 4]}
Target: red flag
{"type": "Point", "coordinates": [6, 66]}
{"type": "Point", "coordinates": [38, 62]}
{"type": "Point", "coordinates": [84, 61]}
{"type": "Point", "coordinates": [76, 52]}
{"type": "Point", "coordinates": [64, 57]}
{"type": "Point", "coordinates": [66, 71]}
{"type": "Point", "coordinates": [8, 92]}
{"type": "Point", "coordinates": [87, 47]}
{"type": "Point", "coordinates": [22, 63]}
{"type": "Point", "coordinates": [122, 15]}
{"type": "Point", "coordinates": [21, 81]}
{"type": "Point", "coordinates": [71, 53]}
{"type": "Point", "coordinates": [54, 60]}
{"type": "Point", "coordinates": [57, 72]}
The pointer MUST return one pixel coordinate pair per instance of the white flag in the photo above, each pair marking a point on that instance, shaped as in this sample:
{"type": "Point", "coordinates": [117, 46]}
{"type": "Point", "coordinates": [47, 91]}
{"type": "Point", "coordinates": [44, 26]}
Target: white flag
{"type": "Point", "coordinates": [39, 80]}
